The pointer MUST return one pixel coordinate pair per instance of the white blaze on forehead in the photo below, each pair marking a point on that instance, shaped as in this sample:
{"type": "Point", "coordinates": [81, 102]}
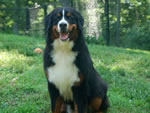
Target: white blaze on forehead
{"type": "Point", "coordinates": [63, 12]}
{"type": "Point", "coordinates": [62, 20]}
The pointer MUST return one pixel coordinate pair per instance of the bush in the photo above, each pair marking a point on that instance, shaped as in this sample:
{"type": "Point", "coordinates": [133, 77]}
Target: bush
{"type": "Point", "coordinates": [93, 40]}
{"type": "Point", "coordinates": [14, 62]}
{"type": "Point", "coordinates": [137, 37]}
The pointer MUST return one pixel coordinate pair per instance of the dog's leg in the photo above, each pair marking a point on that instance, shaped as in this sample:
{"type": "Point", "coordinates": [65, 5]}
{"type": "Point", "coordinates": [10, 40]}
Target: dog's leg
{"type": "Point", "coordinates": [58, 105]}
{"type": "Point", "coordinates": [95, 104]}
{"type": "Point", "coordinates": [80, 99]}
{"type": "Point", "coordinates": [63, 108]}
{"type": "Point", "coordinates": [56, 100]}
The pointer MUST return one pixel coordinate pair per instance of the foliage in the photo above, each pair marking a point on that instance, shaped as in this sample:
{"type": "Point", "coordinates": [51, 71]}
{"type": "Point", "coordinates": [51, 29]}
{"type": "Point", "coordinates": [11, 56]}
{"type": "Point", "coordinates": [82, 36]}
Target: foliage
{"type": "Point", "coordinates": [93, 40]}
{"type": "Point", "coordinates": [134, 14]}
{"type": "Point", "coordinates": [137, 36]}
{"type": "Point", "coordinates": [13, 16]}
{"type": "Point", "coordinates": [23, 86]}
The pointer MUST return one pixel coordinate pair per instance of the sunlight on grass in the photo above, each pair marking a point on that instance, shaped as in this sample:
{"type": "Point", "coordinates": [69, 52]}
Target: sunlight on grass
{"type": "Point", "coordinates": [138, 51]}
{"type": "Point", "coordinates": [124, 61]}
{"type": "Point", "coordinates": [14, 62]}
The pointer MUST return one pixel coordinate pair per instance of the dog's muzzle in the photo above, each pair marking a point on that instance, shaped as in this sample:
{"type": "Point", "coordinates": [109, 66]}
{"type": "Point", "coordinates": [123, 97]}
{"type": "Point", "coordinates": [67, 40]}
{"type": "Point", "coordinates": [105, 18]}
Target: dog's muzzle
{"type": "Point", "coordinates": [63, 30]}
{"type": "Point", "coordinates": [63, 27]}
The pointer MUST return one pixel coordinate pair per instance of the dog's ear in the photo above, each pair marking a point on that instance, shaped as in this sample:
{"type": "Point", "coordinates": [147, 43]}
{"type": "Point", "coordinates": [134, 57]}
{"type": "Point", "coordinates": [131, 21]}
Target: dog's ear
{"type": "Point", "coordinates": [48, 26]}
{"type": "Point", "coordinates": [80, 19]}
{"type": "Point", "coordinates": [48, 22]}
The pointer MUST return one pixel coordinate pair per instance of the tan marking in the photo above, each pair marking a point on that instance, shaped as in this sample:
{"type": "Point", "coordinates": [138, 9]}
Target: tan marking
{"type": "Point", "coordinates": [46, 73]}
{"type": "Point", "coordinates": [54, 33]}
{"type": "Point", "coordinates": [59, 14]}
{"type": "Point", "coordinates": [96, 103]}
{"type": "Point", "coordinates": [63, 108]}
{"type": "Point", "coordinates": [75, 108]}
{"type": "Point", "coordinates": [71, 26]}
{"type": "Point", "coordinates": [68, 14]}
{"type": "Point", "coordinates": [74, 31]}
{"type": "Point", "coordinates": [58, 106]}
{"type": "Point", "coordinates": [81, 80]}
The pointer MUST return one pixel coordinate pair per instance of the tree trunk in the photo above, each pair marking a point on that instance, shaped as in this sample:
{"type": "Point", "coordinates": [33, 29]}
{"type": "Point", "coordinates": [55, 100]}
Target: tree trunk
{"type": "Point", "coordinates": [16, 17]}
{"type": "Point", "coordinates": [118, 24]}
{"type": "Point", "coordinates": [107, 23]}
{"type": "Point", "coordinates": [92, 20]}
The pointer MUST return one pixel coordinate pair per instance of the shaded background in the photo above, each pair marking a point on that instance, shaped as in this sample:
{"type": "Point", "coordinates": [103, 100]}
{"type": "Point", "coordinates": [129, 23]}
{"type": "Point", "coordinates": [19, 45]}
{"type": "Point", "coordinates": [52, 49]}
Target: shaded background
{"type": "Point", "coordinates": [122, 23]}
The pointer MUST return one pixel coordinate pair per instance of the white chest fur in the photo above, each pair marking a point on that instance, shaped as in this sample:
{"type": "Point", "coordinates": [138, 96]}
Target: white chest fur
{"type": "Point", "coordinates": [64, 73]}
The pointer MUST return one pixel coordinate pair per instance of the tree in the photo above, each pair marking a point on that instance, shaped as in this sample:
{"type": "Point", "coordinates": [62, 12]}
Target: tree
{"type": "Point", "coordinates": [92, 19]}
{"type": "Point", "coordinates": [107, 23]}
{"type": "Point", "coordinates": [118, 24]}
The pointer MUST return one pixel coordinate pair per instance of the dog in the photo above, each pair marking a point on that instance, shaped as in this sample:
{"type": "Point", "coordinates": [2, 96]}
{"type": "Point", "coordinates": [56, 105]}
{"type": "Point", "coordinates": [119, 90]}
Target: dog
{"type": "Point", "coordinates": [72, 78]}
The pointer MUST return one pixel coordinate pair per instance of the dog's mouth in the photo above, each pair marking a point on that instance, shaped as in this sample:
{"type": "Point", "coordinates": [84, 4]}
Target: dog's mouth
{"type": "Point", "coordinates": [64, 35]}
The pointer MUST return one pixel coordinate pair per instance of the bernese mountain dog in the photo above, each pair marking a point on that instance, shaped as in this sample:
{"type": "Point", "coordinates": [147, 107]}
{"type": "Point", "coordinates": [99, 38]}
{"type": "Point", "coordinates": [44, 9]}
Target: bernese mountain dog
{"type": "Point", "coordinates": [73, 83]}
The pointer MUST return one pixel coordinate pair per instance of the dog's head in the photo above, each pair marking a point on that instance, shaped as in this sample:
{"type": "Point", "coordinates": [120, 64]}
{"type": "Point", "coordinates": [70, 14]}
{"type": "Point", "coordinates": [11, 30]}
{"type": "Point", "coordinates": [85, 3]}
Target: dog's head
{"type": "Point", "coordinates": [64, 23]}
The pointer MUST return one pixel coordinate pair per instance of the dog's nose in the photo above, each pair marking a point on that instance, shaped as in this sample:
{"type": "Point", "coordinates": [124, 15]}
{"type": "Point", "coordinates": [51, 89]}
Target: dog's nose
{"type": "Point", "coordinates": [63, 25]}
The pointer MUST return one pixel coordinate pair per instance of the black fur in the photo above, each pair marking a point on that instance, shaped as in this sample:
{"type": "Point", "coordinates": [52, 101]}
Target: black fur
{"type": "Point", "coordinates": [92, 86]}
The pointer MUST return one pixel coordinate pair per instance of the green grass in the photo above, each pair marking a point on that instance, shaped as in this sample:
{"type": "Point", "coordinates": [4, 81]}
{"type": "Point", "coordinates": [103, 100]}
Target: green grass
{"type": "Point", "coordinates": [23, 86]}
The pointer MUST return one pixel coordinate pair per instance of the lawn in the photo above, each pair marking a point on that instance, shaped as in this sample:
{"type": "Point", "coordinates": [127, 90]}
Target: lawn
{"type": "Point", "coordinates": [23, 86]}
